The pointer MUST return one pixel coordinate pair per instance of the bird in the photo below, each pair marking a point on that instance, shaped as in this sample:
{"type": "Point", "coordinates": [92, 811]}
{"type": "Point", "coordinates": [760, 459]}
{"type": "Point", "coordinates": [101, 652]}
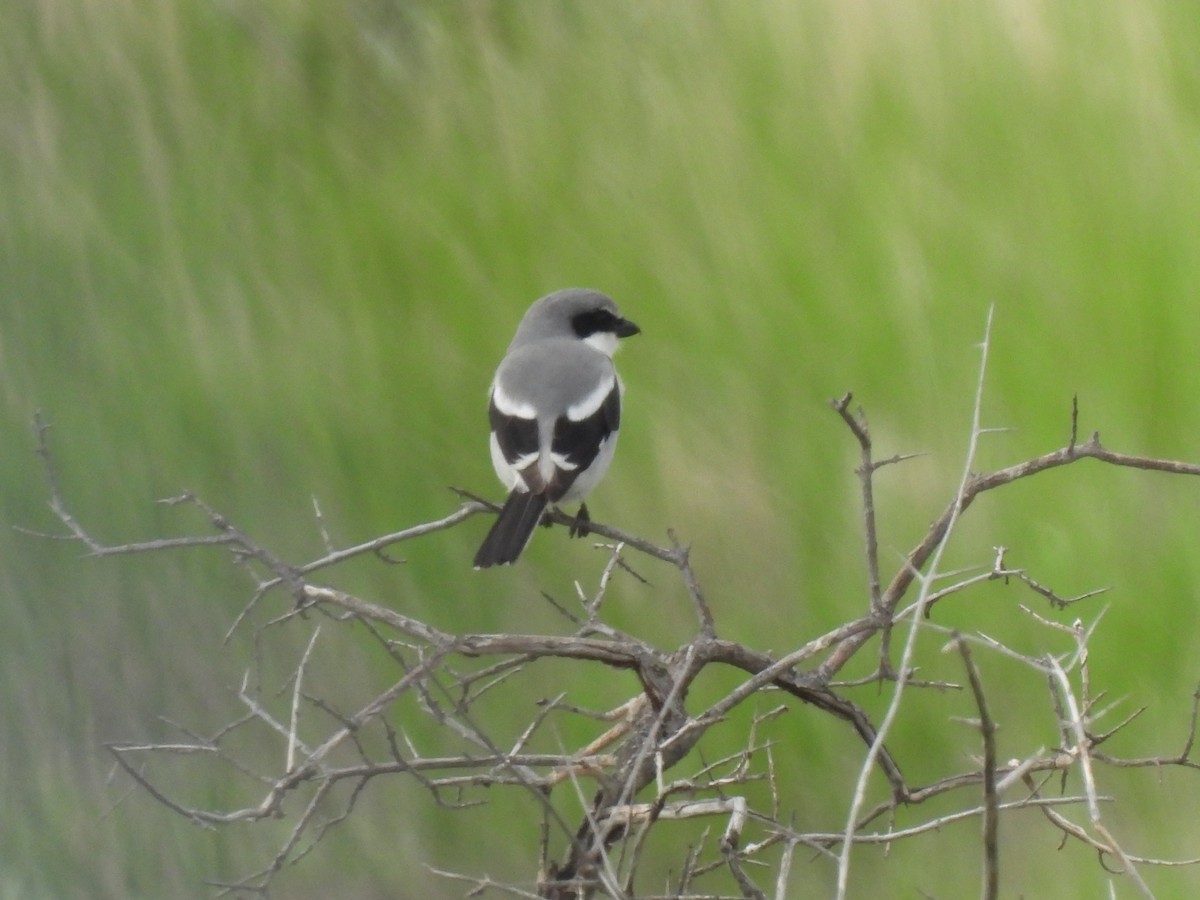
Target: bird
{"type": "Point", "coordinates": [554, 409]}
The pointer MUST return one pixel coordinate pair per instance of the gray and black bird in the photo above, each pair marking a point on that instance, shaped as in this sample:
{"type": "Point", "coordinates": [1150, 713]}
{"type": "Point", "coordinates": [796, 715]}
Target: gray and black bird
{"type": "Point", "coordinates": [555, 411]}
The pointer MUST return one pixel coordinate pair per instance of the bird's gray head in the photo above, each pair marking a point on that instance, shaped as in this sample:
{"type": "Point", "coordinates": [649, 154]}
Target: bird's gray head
{"type": "Point", "coordinates": [576, 313]}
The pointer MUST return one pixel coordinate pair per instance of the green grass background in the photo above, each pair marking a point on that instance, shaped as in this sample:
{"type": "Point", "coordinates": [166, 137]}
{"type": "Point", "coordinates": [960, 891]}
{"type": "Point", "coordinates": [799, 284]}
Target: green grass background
{"type": "Point", "coordinates": [272, 251]}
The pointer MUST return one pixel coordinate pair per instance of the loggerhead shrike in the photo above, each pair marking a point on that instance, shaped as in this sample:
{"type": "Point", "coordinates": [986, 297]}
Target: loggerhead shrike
{"type": "Point", "coordinates": [555, 409]}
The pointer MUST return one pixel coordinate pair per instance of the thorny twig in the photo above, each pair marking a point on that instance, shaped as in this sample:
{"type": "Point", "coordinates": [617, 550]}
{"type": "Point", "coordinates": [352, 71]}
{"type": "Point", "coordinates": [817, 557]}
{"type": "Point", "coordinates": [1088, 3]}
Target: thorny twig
{"type": "Point", "coordinates": [649, 734]}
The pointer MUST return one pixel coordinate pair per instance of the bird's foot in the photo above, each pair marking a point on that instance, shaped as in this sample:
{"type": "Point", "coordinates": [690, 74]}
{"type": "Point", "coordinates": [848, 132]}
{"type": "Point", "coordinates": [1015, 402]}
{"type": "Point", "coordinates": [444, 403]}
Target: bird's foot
{"type": "Point", "coordinates": [581, 526]}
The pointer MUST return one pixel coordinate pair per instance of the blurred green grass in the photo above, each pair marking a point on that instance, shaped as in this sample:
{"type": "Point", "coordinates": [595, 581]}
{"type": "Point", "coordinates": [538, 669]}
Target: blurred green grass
{"type": "Point", "coordinates": [272, 251]}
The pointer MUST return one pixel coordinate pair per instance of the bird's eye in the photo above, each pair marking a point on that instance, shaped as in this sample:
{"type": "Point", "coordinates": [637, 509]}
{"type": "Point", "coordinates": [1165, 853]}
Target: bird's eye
{"type": "Point", "coordinates": [593, 321]}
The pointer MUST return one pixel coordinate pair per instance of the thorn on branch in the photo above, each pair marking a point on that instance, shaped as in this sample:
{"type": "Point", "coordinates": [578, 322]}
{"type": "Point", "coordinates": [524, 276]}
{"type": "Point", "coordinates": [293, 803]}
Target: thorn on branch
{"type": "Point", "coordinates": [475, 499]}
{"type": "Point", "coordinates": [1074, 424]}
{"type": "Point", "coordinates": [897, 458]}
{"type": "Point", "coordinates": [382, 555]}
{"type": "Point", "coordinates": [1099, 739]}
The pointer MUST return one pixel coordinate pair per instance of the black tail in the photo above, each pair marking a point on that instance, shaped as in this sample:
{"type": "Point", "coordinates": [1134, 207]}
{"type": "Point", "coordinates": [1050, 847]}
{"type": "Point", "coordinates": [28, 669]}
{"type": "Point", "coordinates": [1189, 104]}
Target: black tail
{"type": "Point", "coordinates": [512, 529]}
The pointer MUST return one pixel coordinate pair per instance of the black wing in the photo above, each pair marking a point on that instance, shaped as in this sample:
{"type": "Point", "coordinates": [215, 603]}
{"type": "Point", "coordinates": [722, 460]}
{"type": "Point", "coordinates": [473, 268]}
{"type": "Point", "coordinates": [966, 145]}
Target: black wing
{"type": "Point", "coordinates": [578, 442]}
{"type": "Point", "coordinates": [516, 436]}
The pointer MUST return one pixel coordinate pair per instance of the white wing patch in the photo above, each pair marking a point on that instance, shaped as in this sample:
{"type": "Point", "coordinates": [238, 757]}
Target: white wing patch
{"type": "Point", "coordinates": [561, 462]}
{"type": "Point", "coordinates": [509, 473]}
{"type": "Point", "coordinates": [510, 406]}
{"type": "Point", "coordinates": [588, 406]}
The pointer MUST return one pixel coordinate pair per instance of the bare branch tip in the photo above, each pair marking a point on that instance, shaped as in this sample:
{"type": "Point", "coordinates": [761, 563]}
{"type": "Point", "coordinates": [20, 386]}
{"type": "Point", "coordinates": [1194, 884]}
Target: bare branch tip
{"type": "Point", "coordinates": [40, 425]}
{"type": "Point", "coordinates": [841, 405]}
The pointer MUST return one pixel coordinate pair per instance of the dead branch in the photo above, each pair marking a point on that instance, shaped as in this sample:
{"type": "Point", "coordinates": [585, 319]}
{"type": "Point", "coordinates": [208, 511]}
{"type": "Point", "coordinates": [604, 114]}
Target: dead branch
{"type": "Point", "coordinates": [991, 803]}
{"type": "Point", "coordinates": [640, 768]}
